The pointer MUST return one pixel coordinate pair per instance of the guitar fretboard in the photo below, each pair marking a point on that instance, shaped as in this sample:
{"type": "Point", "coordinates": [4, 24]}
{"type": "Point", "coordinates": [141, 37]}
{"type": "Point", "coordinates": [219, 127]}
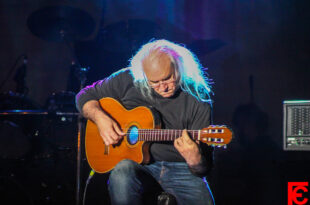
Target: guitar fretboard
{"type": "Point", "coordinates": [164, 134]}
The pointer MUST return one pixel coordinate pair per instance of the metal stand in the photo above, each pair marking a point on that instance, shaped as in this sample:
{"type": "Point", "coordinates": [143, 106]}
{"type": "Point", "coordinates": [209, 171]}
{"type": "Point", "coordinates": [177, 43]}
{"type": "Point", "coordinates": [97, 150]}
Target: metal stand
{"type": "Point", "coordinates": [81, 73]}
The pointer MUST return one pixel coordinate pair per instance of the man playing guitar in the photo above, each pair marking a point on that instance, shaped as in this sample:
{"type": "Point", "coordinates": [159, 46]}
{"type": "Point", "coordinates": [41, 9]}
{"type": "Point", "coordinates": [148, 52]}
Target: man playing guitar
{"type": "Point", "coordinates": [168, 78]}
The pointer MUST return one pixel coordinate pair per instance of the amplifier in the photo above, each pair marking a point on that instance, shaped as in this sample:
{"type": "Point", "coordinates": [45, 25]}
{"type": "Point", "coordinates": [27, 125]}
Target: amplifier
{"type": "Point", "coordinates": [296, 125]}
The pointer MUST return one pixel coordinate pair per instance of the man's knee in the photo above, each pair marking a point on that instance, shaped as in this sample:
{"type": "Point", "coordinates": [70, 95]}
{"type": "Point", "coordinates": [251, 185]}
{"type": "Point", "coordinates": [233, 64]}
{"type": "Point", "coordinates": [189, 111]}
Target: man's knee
{"type": "Point", "coordinates": [125, 166]}
{"type": "Point", "coordinates": [124, 184]}
{"type": "Point", "coordinates": [123, 171]}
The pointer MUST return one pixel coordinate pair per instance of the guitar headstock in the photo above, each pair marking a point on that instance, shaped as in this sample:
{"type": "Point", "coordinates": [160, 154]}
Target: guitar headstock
{"type": "Point", "coordinates": [216, 135]}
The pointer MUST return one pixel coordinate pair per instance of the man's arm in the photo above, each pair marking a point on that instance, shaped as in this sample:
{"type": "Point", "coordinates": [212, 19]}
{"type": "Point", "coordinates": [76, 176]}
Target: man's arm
{"type": "Point", "coordinates": [188, 149]}
{"type": "Point", "coordinates": [198, 156]}
{"type": "Point", "coordinates": [87, 102]}
{"type": "Point", "coordinates": [191, 152]}
{"type": "Point", "coordinates": [107, 127]}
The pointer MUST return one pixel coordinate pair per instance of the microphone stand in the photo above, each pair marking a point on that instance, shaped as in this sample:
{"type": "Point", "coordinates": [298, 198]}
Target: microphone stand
{"type": "Point", "coordinates": [81, 75]}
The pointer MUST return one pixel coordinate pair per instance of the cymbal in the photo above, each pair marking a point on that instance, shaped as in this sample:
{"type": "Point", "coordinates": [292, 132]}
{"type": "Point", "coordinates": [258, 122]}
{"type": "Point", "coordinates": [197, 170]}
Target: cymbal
{"type": "Point", "coordinates": [35, 112]}
{"type": "Point", "coordinates": [61, 23]}
{"type": "Point", "coordinates": [128, 35]}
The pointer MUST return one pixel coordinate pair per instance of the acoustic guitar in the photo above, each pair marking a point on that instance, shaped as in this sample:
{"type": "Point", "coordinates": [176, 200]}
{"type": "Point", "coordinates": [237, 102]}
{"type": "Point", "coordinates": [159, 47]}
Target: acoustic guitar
{"type": "Point", "coordinates": [141, 128]}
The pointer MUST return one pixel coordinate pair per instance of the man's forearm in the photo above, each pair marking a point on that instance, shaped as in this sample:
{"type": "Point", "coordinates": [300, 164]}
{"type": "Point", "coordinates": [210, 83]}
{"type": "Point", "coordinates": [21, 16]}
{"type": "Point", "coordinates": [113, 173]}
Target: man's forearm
{"type": "Point", "coordinates": [92, 110]}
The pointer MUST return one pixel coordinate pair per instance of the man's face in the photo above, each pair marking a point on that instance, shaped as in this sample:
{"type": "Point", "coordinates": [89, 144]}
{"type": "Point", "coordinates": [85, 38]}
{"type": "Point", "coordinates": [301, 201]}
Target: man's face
{"type": "Point", "coordinates": [160, 74]}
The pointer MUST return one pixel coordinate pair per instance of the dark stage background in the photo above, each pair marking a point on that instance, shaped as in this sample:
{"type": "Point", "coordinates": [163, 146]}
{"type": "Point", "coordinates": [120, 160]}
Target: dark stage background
{"type": "Point", "coordinates": [256, 52]}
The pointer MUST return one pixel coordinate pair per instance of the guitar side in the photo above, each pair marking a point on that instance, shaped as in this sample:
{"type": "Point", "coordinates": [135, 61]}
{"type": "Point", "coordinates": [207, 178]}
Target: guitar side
{"type": "Point", "coordinates": [103, 158]}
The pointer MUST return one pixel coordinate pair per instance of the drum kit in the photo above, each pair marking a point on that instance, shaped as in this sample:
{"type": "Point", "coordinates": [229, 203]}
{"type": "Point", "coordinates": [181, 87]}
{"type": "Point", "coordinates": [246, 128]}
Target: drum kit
{"type": "Point", "coordinates": [34, 143]}
{"type": "Point", "coordinates": [40, 140]}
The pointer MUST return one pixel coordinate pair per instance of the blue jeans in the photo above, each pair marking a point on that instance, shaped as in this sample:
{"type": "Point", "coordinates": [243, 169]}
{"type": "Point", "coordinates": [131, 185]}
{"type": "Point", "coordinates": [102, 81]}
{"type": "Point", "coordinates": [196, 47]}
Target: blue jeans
{"type": "Point", "coordinates": [129, 180]}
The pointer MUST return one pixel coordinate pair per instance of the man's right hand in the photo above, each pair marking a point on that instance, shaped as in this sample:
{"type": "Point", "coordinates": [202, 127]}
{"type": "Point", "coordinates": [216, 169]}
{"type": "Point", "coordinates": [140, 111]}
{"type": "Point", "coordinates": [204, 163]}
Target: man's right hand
{"type": "Point", "coordinates": [108, 129]}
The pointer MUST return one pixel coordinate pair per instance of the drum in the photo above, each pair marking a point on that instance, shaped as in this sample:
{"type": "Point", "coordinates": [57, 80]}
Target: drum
{"type": "Point", "coordinates": [17, 132]}
{"type": "Point", "coordinates": [14, 144]}
{"type": "Point", "coordinates": [62, 128]}
{"type": "Point", "coordinates": [15, 101]}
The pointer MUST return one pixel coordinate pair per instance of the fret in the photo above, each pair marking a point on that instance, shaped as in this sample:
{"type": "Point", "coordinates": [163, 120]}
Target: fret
{"type": "Point", "coordinates": [140, 134]}
{"type": "Point", "coordinates": [158, 135]}
{"type": "Point", "coordinates": [169, 134]}
{"type": "Point", "coordinates": [174, 134]}
{"type": "Point", "coordinates": [152, 134]}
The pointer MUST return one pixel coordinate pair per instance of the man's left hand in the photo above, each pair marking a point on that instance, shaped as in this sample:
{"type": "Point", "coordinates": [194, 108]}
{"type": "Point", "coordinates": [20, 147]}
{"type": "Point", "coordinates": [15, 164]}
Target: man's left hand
{"type": "Point", "coordinates": [188, 149]}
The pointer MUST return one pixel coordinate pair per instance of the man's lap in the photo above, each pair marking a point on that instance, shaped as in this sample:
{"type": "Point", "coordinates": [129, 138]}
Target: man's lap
{"type": "Point", "coordinates": [173, 177]}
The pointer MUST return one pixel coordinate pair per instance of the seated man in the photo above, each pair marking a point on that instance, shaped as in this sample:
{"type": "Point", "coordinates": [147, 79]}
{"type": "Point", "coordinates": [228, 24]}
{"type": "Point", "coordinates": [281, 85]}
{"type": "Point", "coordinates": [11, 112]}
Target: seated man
{"type": "Point", "coordinates": [168, 78]}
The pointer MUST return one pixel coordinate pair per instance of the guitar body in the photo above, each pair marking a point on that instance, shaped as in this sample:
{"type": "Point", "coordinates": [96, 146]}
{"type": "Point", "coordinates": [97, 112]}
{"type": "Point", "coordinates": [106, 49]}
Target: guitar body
{"type": "Point", "coordinates": [102, 158]}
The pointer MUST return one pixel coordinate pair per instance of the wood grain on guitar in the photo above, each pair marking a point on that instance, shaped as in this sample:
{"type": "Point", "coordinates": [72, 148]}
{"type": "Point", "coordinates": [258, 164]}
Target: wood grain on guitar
{"type": "Point", "coordinates": [139, 126]}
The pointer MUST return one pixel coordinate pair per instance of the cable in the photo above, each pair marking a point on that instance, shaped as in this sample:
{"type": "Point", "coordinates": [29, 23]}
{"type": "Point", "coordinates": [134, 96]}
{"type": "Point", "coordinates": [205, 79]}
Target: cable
{"type": "Point", "coordinates": [91, 174]}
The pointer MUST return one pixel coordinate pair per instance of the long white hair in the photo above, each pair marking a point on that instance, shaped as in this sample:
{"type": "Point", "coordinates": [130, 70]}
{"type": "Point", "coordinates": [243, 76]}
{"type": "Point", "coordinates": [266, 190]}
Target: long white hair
{"type": "Point", "coordinates": [189, 72]}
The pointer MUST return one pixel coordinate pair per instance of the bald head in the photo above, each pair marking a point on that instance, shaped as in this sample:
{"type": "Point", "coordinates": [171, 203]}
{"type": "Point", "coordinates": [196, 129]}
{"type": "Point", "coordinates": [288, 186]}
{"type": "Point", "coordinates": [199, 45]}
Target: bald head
{"type": "Point", "coordinates": [157, 65]}
{"type": "Point", "coordinates": [159, 69]}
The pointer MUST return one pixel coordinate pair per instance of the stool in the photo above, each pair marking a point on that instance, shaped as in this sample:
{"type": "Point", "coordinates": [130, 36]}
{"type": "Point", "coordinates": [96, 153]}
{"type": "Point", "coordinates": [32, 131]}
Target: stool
{"type": "Point", "coordinates": [166, 199]}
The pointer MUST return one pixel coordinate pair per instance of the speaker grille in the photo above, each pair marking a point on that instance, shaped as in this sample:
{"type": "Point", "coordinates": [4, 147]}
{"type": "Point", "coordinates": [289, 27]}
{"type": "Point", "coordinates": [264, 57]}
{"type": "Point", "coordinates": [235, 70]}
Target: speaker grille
{"type": "Point", "coordinates": [296, 123]}
{"type": "Point", "coordinates": [299, 120]}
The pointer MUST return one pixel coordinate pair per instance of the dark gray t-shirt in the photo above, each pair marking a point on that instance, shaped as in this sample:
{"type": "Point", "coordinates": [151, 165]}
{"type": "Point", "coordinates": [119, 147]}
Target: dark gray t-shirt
{"type": "Point", "coordinates": [182, 111]}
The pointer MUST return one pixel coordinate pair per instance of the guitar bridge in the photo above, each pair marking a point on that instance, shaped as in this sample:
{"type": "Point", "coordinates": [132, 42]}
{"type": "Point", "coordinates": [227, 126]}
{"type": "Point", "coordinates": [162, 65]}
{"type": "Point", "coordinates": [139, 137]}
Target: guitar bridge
{"type": "Point", "coordinates": [106, 149]}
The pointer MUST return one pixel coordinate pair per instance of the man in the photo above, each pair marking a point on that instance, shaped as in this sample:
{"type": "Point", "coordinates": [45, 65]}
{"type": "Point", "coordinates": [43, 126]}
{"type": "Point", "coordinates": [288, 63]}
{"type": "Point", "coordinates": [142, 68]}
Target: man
{"type": "Point", "coordinates": [168, 78]}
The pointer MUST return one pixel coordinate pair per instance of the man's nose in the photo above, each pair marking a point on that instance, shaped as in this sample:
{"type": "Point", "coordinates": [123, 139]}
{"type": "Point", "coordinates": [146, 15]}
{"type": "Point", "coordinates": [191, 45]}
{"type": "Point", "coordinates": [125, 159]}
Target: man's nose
{"type": "Point", "coordinates": [163, 87]}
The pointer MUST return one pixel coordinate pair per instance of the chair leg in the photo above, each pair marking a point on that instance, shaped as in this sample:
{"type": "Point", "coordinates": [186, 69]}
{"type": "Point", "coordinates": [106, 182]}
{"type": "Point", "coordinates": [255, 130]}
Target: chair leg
{"type": "Point", "coordinates": [166, 199]}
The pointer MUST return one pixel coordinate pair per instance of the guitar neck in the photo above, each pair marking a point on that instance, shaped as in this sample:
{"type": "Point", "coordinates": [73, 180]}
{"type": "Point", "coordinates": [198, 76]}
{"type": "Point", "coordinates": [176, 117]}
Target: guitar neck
{"type": "Point", "coordinates": [164, 134]}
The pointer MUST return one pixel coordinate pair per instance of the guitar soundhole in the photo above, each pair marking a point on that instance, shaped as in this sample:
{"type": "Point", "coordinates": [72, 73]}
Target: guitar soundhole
{"type": "Point", "coordinates": [132, 136]}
